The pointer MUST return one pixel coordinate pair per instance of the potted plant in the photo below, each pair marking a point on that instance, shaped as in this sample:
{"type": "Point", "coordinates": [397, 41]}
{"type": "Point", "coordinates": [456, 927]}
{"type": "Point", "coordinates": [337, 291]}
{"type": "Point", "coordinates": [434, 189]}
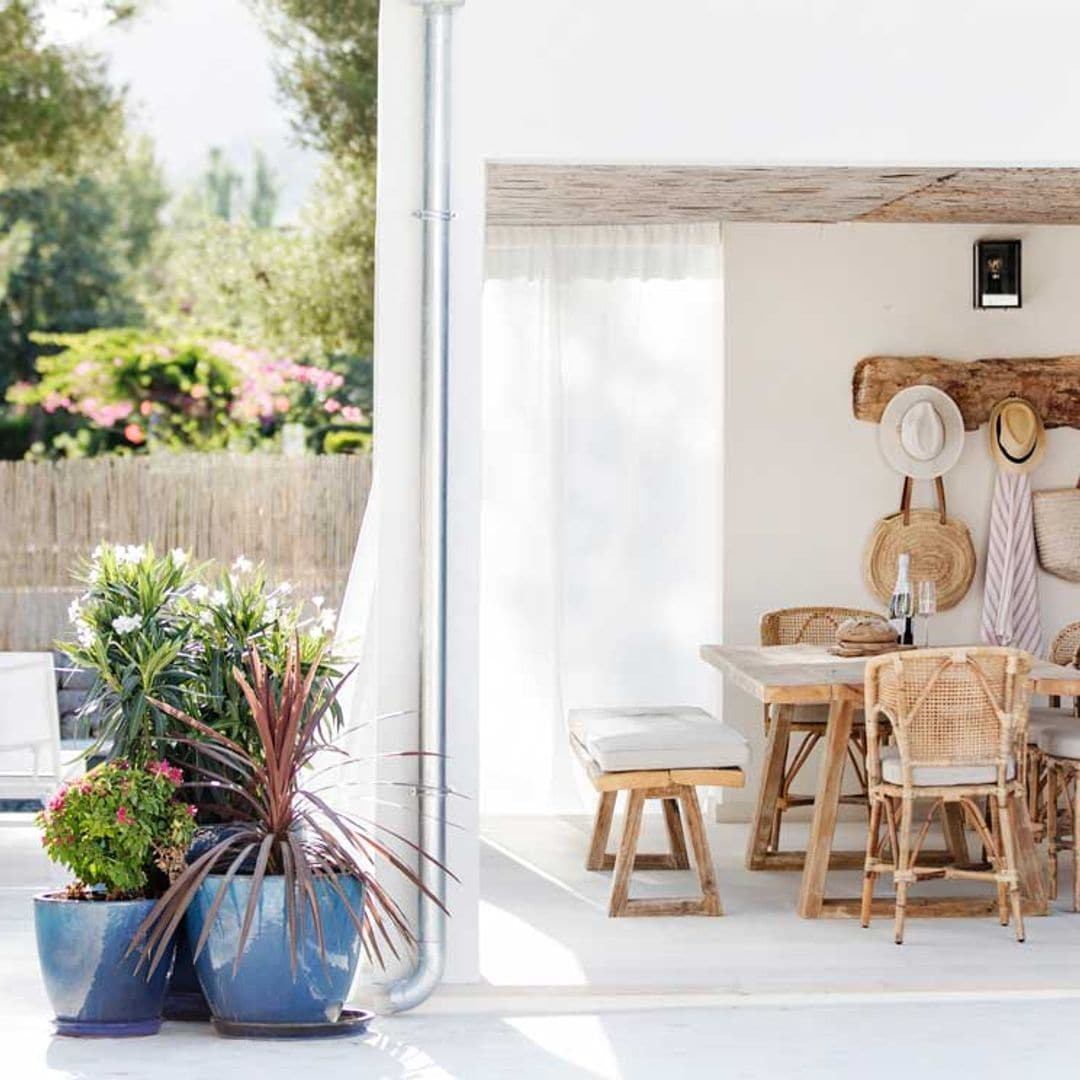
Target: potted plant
{"type": "Point", "coordinates": [280, 908]}
{"type": "Point", "coordinates": [157, 630]}
{"type": "Point", "coordinates": [123, 832]}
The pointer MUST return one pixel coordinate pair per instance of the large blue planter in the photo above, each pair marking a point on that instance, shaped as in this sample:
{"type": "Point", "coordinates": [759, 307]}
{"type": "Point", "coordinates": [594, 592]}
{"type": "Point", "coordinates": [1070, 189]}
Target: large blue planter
{"type": "Point", "coordinates": [264, 989]}
{"type": "Point", "coordinates": [91, 982]}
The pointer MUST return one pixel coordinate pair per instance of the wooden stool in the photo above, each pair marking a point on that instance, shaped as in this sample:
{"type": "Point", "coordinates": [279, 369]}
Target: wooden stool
{"type": "Point", "coordinates": [661, 754]}
{"type": "Point", "coordinates": [1060, 750]}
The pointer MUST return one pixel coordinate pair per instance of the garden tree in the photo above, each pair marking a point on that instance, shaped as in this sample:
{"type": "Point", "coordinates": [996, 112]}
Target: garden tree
{"type": "Point", "coordinates": [329, 69]}
{"type": "Point", "coordinates": [222, 182]}
{"type": "Point", "coordinates": [305, 292]}
{"type": "Point", "coordinates": [264, 193]}
{"type": "Point", "coordinates": [56, 105]}
{"type": "Point", "coordinates": [84, 241]}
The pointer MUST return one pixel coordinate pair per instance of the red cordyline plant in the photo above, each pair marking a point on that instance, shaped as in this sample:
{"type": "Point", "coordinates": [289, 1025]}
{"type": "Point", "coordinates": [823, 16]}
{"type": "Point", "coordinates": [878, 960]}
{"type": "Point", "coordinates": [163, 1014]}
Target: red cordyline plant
{"type": "Point", "coordinates": [291, 831]}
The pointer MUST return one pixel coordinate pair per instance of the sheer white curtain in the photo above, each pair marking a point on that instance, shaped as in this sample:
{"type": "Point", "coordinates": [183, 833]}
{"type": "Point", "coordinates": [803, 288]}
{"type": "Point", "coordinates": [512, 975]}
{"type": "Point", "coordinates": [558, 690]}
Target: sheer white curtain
{"type": "Point", "coordinates": [602, 376]}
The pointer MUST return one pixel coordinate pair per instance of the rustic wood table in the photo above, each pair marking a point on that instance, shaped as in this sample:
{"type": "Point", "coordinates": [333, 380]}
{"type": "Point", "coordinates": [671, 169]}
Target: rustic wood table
{"type": "Point", "coordinates": [811, 675]}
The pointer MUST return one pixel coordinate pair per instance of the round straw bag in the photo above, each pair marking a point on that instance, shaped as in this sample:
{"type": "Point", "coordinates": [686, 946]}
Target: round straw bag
{"type": "Point", "coordinates": [1057, 531]}
{"type": "Point", "coordinates": [940, 547]}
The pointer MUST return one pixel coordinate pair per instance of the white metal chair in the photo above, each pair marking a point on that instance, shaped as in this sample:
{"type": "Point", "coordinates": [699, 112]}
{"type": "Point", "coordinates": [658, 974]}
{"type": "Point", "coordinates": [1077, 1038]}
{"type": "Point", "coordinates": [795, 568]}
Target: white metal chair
{"type": "Point", "coordinates": [30, 766]}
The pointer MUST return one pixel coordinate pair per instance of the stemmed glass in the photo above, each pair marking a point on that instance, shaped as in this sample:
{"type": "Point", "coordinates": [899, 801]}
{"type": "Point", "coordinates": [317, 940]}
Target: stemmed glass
{"type": "Point", "coordinates": [927, 606]}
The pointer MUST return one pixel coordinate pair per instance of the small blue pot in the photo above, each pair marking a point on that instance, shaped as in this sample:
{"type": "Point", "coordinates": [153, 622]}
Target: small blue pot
{"type": "Point", "coordinates": [91, 982]}
{"type": "Point", "coordinates": [264, 989]}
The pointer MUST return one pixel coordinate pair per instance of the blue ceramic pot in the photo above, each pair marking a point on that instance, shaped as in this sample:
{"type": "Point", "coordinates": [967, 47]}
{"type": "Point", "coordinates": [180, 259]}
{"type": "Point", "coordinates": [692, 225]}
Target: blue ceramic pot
{"type": "Point", "coordinates": [264, 989]}
{"type": "Point", "coordinates": [92, 985]}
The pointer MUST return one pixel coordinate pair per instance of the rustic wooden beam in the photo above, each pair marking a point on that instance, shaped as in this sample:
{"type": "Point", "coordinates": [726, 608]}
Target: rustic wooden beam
{"type": "Point", "coordinates": [1052, 385]}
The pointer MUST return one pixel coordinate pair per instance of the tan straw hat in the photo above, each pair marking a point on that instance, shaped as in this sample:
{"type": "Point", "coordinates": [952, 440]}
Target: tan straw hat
{"type": "Point", "coordinates": [922, 432]}
{"type": "Point", "coordinates": [1017, 436]}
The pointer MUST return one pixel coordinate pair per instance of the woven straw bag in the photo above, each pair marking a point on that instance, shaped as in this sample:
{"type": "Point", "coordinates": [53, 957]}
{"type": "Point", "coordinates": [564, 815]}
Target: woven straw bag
{"type": "Point", "coordinates": [1057, 531]}
{"type": "Point", "coordinates": [940, 547]}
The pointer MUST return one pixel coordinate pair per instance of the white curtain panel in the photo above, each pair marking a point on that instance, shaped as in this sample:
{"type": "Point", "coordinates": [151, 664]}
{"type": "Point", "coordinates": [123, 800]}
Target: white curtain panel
{"type": "Point", "coordinates": [602, 383]}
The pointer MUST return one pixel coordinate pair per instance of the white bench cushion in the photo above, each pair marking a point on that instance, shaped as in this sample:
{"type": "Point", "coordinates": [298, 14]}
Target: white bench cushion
{"type": "Point", "coordinates": [939, 775]}
{"type": "Point", "coordinates": [681, 737]}
{"type": "Point", "coordinates": [1062, 741]}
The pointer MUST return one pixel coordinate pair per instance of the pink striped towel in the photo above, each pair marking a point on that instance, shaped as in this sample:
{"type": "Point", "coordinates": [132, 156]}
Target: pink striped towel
{"type": "Point", "coordinates": [1011, 597]}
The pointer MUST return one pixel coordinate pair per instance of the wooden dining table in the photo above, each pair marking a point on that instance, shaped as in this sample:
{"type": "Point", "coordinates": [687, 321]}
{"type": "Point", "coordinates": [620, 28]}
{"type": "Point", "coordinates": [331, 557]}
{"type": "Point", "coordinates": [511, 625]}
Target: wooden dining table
{"type": "Point", "coordinates": [792, 675]}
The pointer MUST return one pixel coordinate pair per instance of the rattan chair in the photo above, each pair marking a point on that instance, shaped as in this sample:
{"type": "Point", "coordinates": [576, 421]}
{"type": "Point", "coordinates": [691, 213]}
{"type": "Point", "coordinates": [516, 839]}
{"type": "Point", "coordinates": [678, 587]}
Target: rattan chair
{"type": "Point", "coordinates": [1064, 649]}
{"type": "Point", "coordinates": [810, 626]}
{"type": "Point", "coordinates": [958, 719]}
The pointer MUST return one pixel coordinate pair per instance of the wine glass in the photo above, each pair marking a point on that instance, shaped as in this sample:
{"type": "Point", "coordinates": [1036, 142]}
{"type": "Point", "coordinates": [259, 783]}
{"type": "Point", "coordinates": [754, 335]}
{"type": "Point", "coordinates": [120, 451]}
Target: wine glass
{"type": "Point", "coordinates": [927, 607]}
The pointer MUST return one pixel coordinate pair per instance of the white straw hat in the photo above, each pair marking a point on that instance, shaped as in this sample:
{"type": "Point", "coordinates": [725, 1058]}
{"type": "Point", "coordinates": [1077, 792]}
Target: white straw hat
{"type": "Point", "coordinates": [922, 432]}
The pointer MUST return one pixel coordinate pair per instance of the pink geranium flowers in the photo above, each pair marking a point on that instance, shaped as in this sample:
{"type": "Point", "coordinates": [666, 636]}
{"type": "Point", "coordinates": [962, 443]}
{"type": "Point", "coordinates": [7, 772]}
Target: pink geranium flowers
{"type": "Point", "coordinates": [163, 768]}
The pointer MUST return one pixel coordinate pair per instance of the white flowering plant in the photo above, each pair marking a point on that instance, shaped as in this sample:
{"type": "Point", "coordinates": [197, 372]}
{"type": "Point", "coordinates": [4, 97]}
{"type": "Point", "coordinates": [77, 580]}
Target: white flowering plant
{"type": "Point", "coordinates": [131, 632]}
{"type": "Point", "coordinates": [159, 629]}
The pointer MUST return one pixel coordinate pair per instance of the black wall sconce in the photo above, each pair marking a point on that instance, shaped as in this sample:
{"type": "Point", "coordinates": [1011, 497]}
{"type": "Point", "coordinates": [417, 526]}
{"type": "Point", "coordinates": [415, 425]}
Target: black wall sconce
{"type": "Point", "coordinates": [997, 274]}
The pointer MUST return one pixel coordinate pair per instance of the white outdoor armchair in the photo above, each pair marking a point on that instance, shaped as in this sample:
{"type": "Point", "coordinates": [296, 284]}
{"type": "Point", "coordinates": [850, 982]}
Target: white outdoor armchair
{"type": "Point", "coordinates": [30, 765]}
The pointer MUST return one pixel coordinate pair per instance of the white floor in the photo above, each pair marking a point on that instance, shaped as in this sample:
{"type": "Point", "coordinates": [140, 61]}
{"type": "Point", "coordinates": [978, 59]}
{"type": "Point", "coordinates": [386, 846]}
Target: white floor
{"type": "Point", "coordinates": [573, 995]}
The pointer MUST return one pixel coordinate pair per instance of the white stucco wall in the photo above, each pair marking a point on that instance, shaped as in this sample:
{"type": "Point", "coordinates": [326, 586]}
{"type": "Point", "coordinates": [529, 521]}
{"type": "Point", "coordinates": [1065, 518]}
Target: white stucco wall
{"type": "Point", "coordinates": [690, 81]}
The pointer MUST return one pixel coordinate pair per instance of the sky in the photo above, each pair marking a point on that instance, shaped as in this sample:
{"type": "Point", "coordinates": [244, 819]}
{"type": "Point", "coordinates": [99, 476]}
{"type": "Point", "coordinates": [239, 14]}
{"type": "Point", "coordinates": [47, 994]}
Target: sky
{"type": "Point", "coordinates": [199, 74]}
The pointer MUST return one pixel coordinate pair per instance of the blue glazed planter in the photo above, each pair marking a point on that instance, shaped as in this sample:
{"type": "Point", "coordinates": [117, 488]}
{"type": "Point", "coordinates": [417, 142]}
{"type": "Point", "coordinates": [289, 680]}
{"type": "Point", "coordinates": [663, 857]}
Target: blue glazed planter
{"type": "Point", "coordinates": [92, 985]}
{"type": "Point", "coordinates": [264, 989]}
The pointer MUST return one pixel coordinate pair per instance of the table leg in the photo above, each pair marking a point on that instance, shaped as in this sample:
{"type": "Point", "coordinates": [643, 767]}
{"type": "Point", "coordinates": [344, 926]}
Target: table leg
{"type": "Point", "coordinates": [826, 804]}
{"type": "Point", "coordinates": [772, 779]}
{"type": "Point", "coordinates": [1032, 884]}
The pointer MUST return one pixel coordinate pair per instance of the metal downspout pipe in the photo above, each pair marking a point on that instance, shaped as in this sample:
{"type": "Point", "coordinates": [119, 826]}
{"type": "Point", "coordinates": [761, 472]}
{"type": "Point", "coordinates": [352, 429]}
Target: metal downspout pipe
{"type": "Point", "coordinates": [435, 215]}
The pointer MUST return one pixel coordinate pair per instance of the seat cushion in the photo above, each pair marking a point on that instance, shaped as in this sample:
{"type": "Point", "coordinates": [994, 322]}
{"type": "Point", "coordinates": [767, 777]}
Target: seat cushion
{"type": "Point", "coordinates": [681, 737]}
{"type": "Point", "coordinates": [1043, 718]}
{"type": "Point", "coordinates": [1062, 741]}
{"type": "Point", "coordinates": [939, 775]}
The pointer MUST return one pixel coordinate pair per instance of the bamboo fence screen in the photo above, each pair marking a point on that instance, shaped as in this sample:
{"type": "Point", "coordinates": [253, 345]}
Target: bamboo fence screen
{"type": "Point", "coordinates": [300, 516]}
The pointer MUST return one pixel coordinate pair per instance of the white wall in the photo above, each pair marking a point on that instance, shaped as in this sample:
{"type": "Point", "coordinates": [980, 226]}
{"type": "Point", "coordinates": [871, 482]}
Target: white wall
{"type": "Point", "coordinates": [804, 480]}
{"type": "Point", "coordinates": [690, 81]}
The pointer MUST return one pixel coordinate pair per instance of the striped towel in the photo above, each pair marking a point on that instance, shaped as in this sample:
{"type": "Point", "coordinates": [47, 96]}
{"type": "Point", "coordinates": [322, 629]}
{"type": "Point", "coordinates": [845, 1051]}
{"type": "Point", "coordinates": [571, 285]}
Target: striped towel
{"type": "Point", "coordinates": [1011, 598]}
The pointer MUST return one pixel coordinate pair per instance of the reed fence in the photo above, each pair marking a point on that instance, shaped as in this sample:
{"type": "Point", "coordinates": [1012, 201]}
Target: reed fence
{"type": "Point", "coordinates": [300, 516]}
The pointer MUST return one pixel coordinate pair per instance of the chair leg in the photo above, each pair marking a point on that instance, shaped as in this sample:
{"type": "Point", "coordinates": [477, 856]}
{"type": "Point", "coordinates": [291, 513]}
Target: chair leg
{"type": "Point", "coordinates": [998, 862]}
{"type": "Point", "coordinates": [676, 836]}
{"type": "Point", "coordinates": [1076, 846]}
{"type": "Point", "coordinates": [1051, 811]}
{"type": "Point", "coordinates": [605, 811]}
{"type": "Point", "coordinates": [710, 893]}
{"type": "Point", "coordinates": [872, 844]}
{"type": "Point", "coordinates": [1008, 851]}
{"type": "Point", "coordinates": [902, 870]}
{"type": "Point", "coordinates": [624, 859]}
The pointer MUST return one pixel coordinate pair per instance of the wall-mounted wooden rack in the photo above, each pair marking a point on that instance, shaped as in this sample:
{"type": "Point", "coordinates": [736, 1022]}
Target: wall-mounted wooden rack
{"type": "Point", "coordinates": [1052, 385]}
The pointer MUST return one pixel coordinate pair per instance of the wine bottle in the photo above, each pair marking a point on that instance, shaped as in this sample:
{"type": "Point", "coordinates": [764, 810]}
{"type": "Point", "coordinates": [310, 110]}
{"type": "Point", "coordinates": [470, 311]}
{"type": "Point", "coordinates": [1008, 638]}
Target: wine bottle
{"type": "Point", "coordinates": [902, 607]}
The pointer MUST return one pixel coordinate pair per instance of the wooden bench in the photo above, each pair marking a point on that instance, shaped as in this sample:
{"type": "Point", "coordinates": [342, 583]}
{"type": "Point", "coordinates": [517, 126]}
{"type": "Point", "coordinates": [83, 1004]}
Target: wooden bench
{"type": "Point", "coordinates": [656, 753]}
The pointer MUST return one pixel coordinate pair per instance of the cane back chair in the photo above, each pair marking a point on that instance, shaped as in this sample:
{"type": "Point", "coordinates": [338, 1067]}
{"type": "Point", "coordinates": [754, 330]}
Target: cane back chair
{"type": "Point", "coordinates": [809, 626]}
{"type": "Point", "coordinates": [958, 720]}
{"type": "Point", "coordinates": [1064, 650]}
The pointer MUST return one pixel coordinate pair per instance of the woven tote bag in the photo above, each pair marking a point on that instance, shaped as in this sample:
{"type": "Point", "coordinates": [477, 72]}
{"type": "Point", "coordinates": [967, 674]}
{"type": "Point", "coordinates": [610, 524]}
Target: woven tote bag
{"type": "Point", "coordinates": [1057, 531]}
{"type": "Point", "coordinates": [940, 547]}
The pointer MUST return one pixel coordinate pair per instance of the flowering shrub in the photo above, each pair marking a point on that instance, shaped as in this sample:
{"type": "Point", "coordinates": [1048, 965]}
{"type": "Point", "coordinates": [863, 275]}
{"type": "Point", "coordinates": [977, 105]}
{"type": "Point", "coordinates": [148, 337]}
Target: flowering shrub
{"type": "Point", "coordinates": [126, 390]}
{"type": "Point", "coordinates": [120, 829]}
{"type": "Point", "coordinates": [157, 629]}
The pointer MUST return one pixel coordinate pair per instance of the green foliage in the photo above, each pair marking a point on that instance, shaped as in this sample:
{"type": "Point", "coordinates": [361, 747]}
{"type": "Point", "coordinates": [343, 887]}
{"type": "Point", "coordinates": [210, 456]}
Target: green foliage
{"type": "Point", "coordinates": [130, 391]}
{"type": "Point", "coordinates": [306, 292]}
{"type": "Point", "coordinates": [223, 183]}
{"type": "Point", "coordinates": [120, 829]}
{"type": "Point", "coordinates": [344, 441]}
{"type": "Point", "coordinates": [264, 194]}
{"type": "Point", "coordinates": [56, 105]}
{"type": "Point", "coordinates": [157, 632]}
{"type": "Point", "coordinates": [132, 633]}
{"type": "Point", "coordinates": [83, 243]}
{"type": "Point", "coordinates": [329, 68]}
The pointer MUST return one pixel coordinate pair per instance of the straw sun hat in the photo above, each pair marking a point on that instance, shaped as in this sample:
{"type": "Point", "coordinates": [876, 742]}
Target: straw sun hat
{"type": "Point", "coordinates": [1017, 436]}
{"type": "Point", "coordinates": [922, 432]}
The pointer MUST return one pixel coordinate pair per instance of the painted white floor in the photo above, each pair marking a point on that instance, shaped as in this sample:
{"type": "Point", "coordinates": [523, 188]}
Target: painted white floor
{"type": "Point", "coordinates": [572, 995]}
{"type": "Point", "coordinates": [544, 923]}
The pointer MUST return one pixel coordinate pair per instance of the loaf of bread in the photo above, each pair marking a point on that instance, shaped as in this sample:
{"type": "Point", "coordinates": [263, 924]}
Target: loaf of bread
{"type": "Point", "coordinates": [866, 631]}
